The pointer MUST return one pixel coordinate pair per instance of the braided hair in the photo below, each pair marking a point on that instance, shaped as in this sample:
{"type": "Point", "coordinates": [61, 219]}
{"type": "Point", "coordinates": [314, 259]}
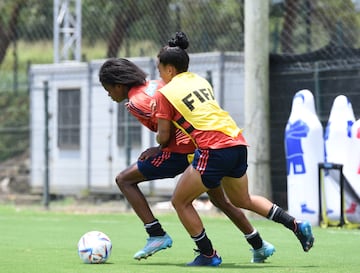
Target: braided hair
{"type": "Point", "coordinates": [121, 71]}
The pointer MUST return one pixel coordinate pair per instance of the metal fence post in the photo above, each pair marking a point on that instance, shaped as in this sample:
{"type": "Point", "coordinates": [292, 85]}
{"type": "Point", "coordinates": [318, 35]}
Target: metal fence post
{"type": "Point", "coordinates": [46, 195]}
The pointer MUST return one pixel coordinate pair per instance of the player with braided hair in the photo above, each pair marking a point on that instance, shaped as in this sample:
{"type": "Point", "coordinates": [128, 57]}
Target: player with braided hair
{"type": "Point", "coordinates": [122, 80]}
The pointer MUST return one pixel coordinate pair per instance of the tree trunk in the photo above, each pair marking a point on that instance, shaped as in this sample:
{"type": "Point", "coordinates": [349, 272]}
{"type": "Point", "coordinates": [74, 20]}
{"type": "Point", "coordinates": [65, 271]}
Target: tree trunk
{"type": "Point", "coordinates": [116, 37]}
{"type": "Point", "coordinates": [8, 31]}
{"type": "Point", "coordinates": [161, 17]}
{"type": "Point", "coordinates": [286, 39]}
{"type": "Point", "coordinates": [123, 20]}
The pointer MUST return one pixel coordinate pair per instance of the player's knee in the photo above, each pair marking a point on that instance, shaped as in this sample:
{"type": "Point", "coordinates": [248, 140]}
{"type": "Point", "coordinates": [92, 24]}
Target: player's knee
{"type": "Point", "coordinates": [120, 181]}
{"type": "Point", "coordinates": [176, 203]}
{"type": "Point", "coordinates": [173, 202]}
{"type": "Point", "coordinates": [180, 204]}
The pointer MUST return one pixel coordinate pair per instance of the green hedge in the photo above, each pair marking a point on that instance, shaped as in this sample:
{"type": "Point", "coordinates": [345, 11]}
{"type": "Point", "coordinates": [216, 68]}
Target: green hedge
{"type": "Point", "coordinates": [14, 124]}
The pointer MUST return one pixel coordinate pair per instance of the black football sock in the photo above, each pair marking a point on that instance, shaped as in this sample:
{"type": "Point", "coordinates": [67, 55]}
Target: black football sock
{"type": "Point", "coordinates": [279, 215]}
{"type": "Point", "coordinates": [154, 229]}
{"type": "Point", "coordinates": [254, 239]}
{"type": "Point", "coordinates": [203, 243]}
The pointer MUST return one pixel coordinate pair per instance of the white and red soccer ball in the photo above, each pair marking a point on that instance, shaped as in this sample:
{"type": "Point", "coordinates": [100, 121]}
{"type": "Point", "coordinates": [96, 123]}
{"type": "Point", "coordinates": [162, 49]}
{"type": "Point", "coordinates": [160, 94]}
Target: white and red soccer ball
{"type": "Point", "coordinates": [94, 247]}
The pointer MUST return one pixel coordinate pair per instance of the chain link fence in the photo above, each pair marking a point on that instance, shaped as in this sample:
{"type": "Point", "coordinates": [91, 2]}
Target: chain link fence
{"type": "Point", "coordinates": [329, 29]}
{"type": "Point", "coordinates": [130, 28]}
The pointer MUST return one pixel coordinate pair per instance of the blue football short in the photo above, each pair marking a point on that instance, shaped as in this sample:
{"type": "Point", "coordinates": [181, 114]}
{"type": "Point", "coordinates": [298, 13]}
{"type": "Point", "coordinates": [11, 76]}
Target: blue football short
{"type": "Point", "coordinates": [214, 164]}
{"type": "Point", "coordinates": [164, 165]}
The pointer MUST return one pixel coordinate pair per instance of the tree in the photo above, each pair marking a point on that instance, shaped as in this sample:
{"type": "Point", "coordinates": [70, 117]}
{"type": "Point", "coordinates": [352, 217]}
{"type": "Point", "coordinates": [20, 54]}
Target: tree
{"type": "Point", "coordinates": [124, 18]}
{"type": "Point", "coordinates": [340, 22]}
{"type": "Point", "coordinates": [129, 13]}
{"type": "Point", "coordinates": [332, 21]}
{"type": "Point", "coordinates": [8, 29]}
{"type": "Point", "coordinates": [291, 10]}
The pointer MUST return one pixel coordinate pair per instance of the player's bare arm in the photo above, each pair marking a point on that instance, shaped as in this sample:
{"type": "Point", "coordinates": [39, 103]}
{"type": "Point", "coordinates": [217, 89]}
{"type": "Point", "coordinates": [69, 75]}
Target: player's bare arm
{"type": "Point", "coordinates": [164, 132]}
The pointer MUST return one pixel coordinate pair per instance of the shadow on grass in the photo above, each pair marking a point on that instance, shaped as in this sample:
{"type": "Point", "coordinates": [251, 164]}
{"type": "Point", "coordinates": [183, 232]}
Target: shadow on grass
{"type": "Point", "coordinates": [230, 265]}
{"type": "Point", "coordinates": [263, 265]}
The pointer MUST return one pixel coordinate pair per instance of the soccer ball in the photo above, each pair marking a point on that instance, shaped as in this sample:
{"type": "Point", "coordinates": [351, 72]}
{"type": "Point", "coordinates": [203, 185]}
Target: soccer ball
{"type": "Point", "coordinates": [94, 247]}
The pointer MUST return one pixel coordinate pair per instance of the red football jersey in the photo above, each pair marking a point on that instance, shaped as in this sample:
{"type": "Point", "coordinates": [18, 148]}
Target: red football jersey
{"type": "Point", "coordinates": [140, 106]}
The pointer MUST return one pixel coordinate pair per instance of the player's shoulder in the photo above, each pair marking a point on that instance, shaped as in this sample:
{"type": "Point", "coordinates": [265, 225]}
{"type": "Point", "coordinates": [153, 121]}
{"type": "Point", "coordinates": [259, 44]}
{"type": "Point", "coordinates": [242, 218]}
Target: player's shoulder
{"type": "Point", "coordinates": [152, 86]}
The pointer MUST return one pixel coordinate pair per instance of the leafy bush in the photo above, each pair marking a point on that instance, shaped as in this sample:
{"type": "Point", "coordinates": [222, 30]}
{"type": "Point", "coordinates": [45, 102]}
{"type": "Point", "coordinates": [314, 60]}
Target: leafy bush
{"type": "Point", "coordinates": [14, 124]}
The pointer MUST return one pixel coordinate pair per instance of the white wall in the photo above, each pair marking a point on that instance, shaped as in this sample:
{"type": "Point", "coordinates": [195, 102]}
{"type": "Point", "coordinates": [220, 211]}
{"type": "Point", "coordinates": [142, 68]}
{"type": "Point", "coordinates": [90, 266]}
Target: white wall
{"type": "Point", "coordinates": [90, 167]}
{"type": "Point", "coordinates": [69, 166]}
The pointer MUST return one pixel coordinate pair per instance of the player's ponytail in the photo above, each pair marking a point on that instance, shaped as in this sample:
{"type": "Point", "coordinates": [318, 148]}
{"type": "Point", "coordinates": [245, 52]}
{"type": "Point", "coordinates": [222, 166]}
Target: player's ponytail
{"type": "Point", "coordinates": [174, 53]}
{"type": "Point", "coordinates": [179, 40]}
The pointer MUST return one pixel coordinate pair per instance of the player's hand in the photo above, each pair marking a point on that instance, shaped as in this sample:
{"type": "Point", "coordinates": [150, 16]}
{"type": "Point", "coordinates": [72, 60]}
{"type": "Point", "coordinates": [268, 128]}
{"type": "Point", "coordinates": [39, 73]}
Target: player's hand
{"type": "Point", "coordinates": [149, 153]}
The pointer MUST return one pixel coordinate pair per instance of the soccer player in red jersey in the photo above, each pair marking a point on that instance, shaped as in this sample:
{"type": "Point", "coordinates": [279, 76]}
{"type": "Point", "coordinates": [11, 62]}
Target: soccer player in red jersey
{"type": "Point", "coordinates": [122, 80]}
{"type": "Point", "coordinates": [187, 100]}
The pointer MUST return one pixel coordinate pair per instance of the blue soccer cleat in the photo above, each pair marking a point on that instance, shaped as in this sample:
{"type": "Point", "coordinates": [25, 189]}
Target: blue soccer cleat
{"type": "Point", "coordinates": [304, 234]}
{"type": "Point", "coordinates": [153, 245]}
{"type": "Point", "coordinates": [203, 260]}
{"type": "Point", "coordinates": [261, 254]}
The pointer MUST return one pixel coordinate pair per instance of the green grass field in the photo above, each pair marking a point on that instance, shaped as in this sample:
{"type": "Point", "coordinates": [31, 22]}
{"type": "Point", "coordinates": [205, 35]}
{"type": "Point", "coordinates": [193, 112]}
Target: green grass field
{"type": "Point", "coordinates": [39, 241]}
